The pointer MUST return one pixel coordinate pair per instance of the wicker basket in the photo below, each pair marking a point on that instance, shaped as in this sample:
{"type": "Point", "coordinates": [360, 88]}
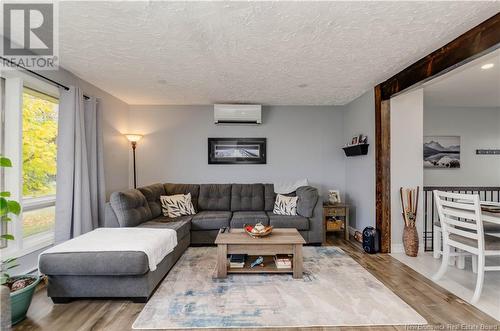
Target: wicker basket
{"type": "Point", "coordinates": [410, 240]}
{"type": "Point", "coordinates": [334, 225]}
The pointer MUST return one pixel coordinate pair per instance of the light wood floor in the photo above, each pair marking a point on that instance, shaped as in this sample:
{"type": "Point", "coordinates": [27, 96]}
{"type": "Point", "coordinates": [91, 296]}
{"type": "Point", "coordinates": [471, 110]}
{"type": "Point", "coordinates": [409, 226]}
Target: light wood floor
{"type": "Point", "coordinates": [438, 306]}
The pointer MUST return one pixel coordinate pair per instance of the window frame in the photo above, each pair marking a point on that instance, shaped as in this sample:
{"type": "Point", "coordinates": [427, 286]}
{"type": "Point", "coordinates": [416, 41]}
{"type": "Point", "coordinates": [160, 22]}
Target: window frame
{"type": "Point", "coordinates": [3, 225]}
{"type": "Point", "coordinates": [15, 82]}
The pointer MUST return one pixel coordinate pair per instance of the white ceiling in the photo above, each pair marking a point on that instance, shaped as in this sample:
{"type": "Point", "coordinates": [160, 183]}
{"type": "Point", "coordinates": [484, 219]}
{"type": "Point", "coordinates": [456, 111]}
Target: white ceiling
{"type": "Point", "coordinates": [467, 86]}
{"type": "Point", "coordinates": [286, 53]}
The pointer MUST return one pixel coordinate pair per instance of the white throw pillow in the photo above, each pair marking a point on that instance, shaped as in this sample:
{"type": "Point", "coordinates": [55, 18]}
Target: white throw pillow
{"type": "Point", "coordinates": [285, 205]}
{"type": "Point", "coordinates": [177, 205]}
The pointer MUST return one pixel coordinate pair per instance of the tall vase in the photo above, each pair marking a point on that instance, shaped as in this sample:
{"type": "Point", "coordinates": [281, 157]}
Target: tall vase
{"type": "Point", "coordinates": [410, 240]}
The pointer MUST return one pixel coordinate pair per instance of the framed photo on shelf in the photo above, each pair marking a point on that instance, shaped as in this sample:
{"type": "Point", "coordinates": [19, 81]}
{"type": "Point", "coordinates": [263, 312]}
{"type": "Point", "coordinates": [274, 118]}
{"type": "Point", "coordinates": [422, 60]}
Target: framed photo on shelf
{"type": "Point", "coordinates": [354, 140]}
{"type": "Point", "coordinates": [334, 196]}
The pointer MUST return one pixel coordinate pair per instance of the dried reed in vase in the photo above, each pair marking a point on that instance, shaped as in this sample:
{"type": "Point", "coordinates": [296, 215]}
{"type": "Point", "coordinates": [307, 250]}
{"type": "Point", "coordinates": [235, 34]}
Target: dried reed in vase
{"type": "Point", "coordinates": [409, 205]}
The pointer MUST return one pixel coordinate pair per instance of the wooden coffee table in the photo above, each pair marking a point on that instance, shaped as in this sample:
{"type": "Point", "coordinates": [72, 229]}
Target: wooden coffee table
{"type": "Point", "coordinates": [281, 241]}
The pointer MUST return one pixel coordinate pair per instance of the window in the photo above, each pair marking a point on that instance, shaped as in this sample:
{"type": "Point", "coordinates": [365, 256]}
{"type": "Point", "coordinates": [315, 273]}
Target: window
{"type": "Point", "coordinates": [28, 138]}
{"type": "Point", "coordinates": [39, 151]}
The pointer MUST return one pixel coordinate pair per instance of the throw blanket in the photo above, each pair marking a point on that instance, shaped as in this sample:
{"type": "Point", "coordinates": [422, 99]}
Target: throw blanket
{"type": "Point", "coordinates": [155, 243]}
{"type": "Point", "coordinates": [289, 187]}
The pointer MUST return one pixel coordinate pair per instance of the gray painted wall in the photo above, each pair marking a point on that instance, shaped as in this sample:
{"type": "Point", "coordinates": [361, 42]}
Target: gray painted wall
{"type": "Point", "coordinates": [478, 128]}
{"type": "Point", "coordinates": [407, 118]}
{"type": "Point", "coordinates": [115, 124]}
{"type": "Point", "coordinates": [302, 142]}
{"type": "Point", "coordinates": [359, 118]}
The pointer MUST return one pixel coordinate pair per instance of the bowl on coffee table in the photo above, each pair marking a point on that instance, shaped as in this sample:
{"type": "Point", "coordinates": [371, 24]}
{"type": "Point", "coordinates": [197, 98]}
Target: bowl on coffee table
{"type": "Point", "coordinates": [258, 230]}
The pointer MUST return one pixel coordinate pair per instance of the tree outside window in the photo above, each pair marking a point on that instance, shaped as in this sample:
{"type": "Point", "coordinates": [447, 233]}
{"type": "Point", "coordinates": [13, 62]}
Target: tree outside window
{"type": "Point", "coordinates": [39, 128]}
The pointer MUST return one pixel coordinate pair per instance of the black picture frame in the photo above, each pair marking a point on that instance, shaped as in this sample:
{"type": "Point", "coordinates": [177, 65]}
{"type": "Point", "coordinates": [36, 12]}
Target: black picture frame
{"type": "Point", "coordinates": [237, 151]}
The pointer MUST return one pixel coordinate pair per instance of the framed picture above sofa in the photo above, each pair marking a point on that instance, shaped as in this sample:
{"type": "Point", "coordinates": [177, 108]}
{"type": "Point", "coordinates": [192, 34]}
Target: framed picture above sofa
{"type": "Point", "coordinates": [237, 150]}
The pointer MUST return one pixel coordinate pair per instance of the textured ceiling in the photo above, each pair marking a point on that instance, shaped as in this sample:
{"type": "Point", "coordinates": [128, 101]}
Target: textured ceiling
{"type": "Point", "coordinates": [467, 86]}
{"type": "Point", "coordinates": [286, 53]}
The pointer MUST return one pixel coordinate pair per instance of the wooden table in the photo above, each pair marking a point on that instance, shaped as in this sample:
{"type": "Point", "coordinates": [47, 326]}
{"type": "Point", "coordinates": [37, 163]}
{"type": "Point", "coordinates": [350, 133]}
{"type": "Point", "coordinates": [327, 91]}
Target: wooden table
{"type": "Point", "coordinates": [338, 212]}
{"type": "Point", "coordinates": [281, 241]}
{"type": "Point", "coordinates": [490, 217]}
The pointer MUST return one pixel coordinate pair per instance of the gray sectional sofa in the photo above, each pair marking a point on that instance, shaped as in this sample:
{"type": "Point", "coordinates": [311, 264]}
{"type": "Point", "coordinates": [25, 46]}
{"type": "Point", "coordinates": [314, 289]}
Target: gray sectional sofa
{"type": "Point", "coordinates": [126, 274]}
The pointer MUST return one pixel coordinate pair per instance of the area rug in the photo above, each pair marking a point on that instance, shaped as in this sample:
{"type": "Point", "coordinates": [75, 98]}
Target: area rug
{"type": "Point", "coordinates": [335, 291]}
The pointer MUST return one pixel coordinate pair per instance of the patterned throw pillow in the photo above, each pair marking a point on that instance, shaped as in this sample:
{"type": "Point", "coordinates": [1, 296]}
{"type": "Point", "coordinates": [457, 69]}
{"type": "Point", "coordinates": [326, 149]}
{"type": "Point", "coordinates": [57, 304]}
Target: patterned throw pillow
{"type": "Point", "coordinates": [285, 205]}
{"type": "Point", "coordinates": [177, 205]}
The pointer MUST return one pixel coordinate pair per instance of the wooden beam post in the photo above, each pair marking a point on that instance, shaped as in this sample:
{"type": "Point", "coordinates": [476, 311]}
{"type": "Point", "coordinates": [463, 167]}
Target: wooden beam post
{"type": "Point", "coordinates": [383, 169]}
{"type": "Point", "coordinates": [472, 44]}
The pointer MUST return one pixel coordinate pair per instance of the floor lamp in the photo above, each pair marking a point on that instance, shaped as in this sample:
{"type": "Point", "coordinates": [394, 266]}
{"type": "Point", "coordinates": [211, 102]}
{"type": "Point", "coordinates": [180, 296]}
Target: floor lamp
{"type": "Point", "coordinates": [134, 138]}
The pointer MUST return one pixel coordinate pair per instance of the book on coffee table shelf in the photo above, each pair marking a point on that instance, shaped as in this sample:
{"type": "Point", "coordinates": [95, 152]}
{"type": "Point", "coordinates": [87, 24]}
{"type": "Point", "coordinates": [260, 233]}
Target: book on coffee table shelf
{"type": "Point", "coordinates": [283, 261]}
{"type": "Point", "coordinates": [237, 260]}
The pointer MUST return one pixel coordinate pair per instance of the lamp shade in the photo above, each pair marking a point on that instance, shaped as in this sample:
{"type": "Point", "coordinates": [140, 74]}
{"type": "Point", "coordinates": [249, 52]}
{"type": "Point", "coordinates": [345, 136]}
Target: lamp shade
{"type": "Point", "coordinates": [133, 137]}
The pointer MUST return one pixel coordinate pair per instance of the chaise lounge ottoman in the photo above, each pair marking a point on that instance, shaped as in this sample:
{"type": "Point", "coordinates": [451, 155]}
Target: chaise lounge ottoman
{"type": "Point", "coordinates": [112, 274]}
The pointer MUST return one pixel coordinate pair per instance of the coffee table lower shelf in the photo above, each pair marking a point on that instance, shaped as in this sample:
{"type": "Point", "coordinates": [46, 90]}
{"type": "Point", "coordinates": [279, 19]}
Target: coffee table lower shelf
{"type": "Point", "coordinates": [281, 241]}
{"type": "Point", "coordinates": [269, 267]}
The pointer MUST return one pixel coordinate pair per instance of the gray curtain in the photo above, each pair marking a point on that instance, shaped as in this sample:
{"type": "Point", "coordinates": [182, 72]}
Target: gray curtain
{"type": "Point", "coordinates": [80, 195]}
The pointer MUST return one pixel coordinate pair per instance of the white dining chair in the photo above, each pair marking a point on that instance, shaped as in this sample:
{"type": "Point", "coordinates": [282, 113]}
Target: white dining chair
{"type": "Point", "coordinates": [456, 255]}
{"type": "Point", "coordinates": [462, 229]}
{"type": "Point", "coordinates": [436, 239]}
{"type": "Point", "coordinates": [458, 260]}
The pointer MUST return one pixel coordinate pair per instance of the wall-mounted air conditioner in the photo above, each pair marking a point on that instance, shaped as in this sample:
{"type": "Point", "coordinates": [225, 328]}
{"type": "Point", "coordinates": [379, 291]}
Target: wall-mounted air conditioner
{"type": "Point", "coordinates": [237, 114]}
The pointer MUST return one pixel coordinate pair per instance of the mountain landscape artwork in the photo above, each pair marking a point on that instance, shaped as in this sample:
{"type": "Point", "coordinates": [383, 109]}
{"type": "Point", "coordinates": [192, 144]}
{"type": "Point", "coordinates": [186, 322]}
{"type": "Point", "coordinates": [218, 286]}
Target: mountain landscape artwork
{"type": "Point", "coordinates": [442, 152]}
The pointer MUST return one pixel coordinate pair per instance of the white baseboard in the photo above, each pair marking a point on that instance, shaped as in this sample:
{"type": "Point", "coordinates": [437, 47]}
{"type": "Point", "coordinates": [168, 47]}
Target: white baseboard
{"type": "Point", "coordinates": [352, 230]}
{"type": "Point", "coordinates": [399, 248]}
{"type": "Point", "coordinates": [395, 248]}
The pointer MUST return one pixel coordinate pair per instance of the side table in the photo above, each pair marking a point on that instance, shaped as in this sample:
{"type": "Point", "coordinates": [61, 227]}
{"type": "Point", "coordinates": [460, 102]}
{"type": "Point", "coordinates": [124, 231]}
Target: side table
{"type": "Point", "coordinates": [336, 218]}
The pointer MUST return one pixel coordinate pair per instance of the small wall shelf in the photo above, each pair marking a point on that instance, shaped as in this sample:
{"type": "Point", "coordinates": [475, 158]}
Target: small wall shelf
{"type": "Point", "coordinates": [355, 150]}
